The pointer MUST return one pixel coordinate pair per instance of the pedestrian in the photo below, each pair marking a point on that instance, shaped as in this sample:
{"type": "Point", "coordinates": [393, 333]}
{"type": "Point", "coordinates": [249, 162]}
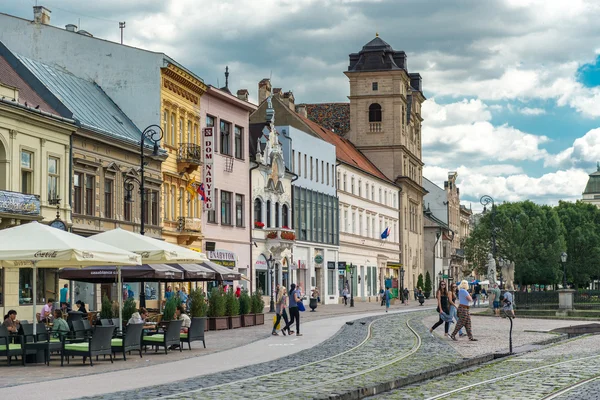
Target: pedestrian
{"type": "Point", "coordinates": [294, 299]}
{"type": "Point", "coordinates": [464, 318]}
{"type": "Point", "coordinates": [168, 293]}
{"type": "Point", "coordinates": [387, 296]}
{"type": "Point", "coordinates": [64, 294]}
{"type": "Point", "coordinates": [443, 308]}
{"type": "Point", "coordinates": [280, 311]}
{"type": "Point", "coordinates": [496, 299]}
{"type": "Point", "coordinates": [477, 295]}
{"type": "Point", "coordinates": [345, 296]}
{"type": "Point", "coordinates": [46, 314]}
{"type": "Point", "coordinates": [484, 294]}
{"type": "Point", "coordinates": [238, 291]}
{"type": "Point", "coordinates": [316, 294]}
{"type": "Point", "coordinates": [416, 292]}
{"type": "Point", "coordinates": [453, 298]}
{"type": "Point", "coordinates": [507, 303]}
{"type": "Point", "coordinates": [382, 296]}
{"type": "Point", "coordinates": [406, 293]}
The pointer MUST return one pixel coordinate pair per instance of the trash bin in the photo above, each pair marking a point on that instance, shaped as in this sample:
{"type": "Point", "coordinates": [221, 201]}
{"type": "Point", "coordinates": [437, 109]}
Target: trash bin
{"type": "Point", "coordinates": [313, 304]}
{"type": "Point", "coordinates": [421, 298]}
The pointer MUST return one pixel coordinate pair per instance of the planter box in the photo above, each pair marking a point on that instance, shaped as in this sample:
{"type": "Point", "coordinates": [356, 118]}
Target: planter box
{"type": "Point", "coordinates": [259, 319]}
{"type": "Point", "coordinates": [235, 322]}
{"type": "Point", "coordinates": [218, 323]}
{"type": "Point", "coordinates": [248, 320]}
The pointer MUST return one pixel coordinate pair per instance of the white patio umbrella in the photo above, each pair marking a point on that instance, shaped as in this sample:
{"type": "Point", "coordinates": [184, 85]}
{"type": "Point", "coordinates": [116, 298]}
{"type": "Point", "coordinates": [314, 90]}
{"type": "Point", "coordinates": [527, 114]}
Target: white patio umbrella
{"type": "Point", "coordinates": [152, 251]}
{"type": "Point", "coordinates": [36, 245]}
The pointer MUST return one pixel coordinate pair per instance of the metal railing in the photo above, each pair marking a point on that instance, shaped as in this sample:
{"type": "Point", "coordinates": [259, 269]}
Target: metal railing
{"type": "Point", "coordinates": [189, 152]}
{"type": "Point", "coordinates": [586, 299]}
{"type": "Point", "coordinates": [536, 300]}
{"type": "Point", "coordinates": [374, 126]}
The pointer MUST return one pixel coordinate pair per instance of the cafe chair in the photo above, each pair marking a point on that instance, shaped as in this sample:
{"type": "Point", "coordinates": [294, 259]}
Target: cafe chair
{"type": "Point", "coordinates": [130, 341]}
{"type": "Point", "coordinates": [195, 332]}
{"type": "Point", "coordinates": [169, 338]}
{"type": "Point", "coordinates": [9, 349]}
{"type": "Point", "coordinates": [99, 344]}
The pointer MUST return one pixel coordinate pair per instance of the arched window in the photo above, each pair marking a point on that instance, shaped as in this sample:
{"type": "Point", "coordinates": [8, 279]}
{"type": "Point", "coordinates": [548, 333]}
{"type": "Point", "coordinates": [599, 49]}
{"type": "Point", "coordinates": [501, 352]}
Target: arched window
{"type": "Point", "coordinates": [374, 113]}
{"type": "Point", "coordinates": [268, 213]}
{"type": "Point", "coordinates": [284, 216]}
{"type": "Point", "coordinates": [257, 210]}
{"type": "Point", "coordinates": [277, 215]}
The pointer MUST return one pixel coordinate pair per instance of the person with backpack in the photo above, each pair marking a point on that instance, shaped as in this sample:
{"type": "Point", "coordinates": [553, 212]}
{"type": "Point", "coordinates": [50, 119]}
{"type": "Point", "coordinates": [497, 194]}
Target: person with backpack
{"type": "Point", "coordinates": [387, 295]}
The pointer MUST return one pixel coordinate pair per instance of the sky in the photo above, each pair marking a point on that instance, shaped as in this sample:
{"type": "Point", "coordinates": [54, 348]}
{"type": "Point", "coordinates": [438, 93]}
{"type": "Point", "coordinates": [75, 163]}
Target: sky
{"type": "Point", "coordinates": [512, 86]}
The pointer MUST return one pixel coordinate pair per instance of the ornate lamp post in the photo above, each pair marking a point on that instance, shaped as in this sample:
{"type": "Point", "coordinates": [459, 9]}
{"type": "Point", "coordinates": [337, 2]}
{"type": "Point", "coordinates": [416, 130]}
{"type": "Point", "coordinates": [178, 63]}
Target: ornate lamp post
{"type": "Point", "coordinates": [270, 268]}
{"type": "Point", "coordinates": [401, 288]}
{"type": "Point", "coordinates": [351, 285]}
{"type": "Point", "coordinates": [501, 263]}
{"type": "Point", "coordinates": [563, 259]}
{"type": "Point", "coordinates": [154, 134]}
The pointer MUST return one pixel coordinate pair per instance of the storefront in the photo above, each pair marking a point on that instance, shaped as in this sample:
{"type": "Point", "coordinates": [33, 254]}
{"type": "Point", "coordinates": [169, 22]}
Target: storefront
{"type": "Point", "coordinates": [225, 258]}
{"type": "Point", "coordinates": [392, 275]}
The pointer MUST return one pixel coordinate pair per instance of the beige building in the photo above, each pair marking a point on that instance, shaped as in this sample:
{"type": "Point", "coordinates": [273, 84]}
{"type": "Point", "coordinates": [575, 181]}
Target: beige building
{"type": "Point", "coordinates": [34, 175]}
{"type": "Point", "coordinates": [591, 194]}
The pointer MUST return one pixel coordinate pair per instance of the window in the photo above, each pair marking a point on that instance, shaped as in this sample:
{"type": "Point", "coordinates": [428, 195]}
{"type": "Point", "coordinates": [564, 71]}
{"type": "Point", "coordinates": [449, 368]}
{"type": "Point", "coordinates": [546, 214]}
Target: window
{"type": "Point", "coordinates": [323, 172]}
{"type": "Point", "coordinates": [346, 220]}
{"type": "Point", "coordinates": [108, 198]}
{"type": "Point", "coordinates": [352, 185]}
{"type": "Point", "coordinates": [374, 85]}
{"type": "Point", "coordinates": [332, 174]}
{"type": "Point", "coordinates": [180, 130]}
{"type": "Point", "coordinates": [181, 199]}
{"type": "Point", "coordinates": [225, 208]}
{"type": "Point", "coordinates": [372, 192]}
{"type": "Point", "coordinates": [353, 230]}
{"type": "Point", "coordinates": [380, 197]}
{"type": "Point", "coordinates": [53, 178]}
{"type": "Point", "coordinates": [239, 210]}
{"type": "Point", "coordinates": [327, 174]}
{"type": "Point", "coordinates": [385, 196]}
{"type": "Point", "coordinates": [345, 188]}
{"type": "Point", "coordinates": [210, 121]}
{"type": "Point", "coordinates": [257, 210]}
{"type": "Point", "coordinates": [239, 142]}
{"type": "Point", "coordinates": [154, 207]}
{"type": "Point", "coordinates": [188, 204]}
{"type": "Point", "coordinates": [212, 214]}
{"type": "Point", "coordinates": [196, 134]}
{"type": "Point", "coordinates": [77, 196]}
{"type": "Point", "coordinates": [284, 216]}
{"type": "Point", "coordinates": [90, 185]}
{"type": "Point", "coordinates": [166, 202]}
{"type": "Point", "coordinates": [25, 286]}
{"type": "Point", "coordinates": [277, 215]}
{"type": "Point", "coordinates": [165, 124]}
{"type": "Point", "coordinates": [126, 208]}
{"type": "Point", "coordinates": [172, 132]}
{"type": "Point", "coordinates": [305, 168]}
{"type": "Point", "coordinates": [359, 188]}
{"type": "Point", "coordinates": [317, 171]}
{"type": "Point", "coordinates": [338, 180]}
{"type": "Point", "coordinates": [311, 168]}
{"type": "Point", "coordinates": [299, 164]}
{"type": "Point", "coordinates": [360, 223]}
{"type": "Point", "coordinates": [268, 213]}
{"type": "Point", "coordinates": [367, 190]}
{"type": "Point", "coordinates": [26, 172]}
{"type": "Point", "coordinates": [225, 138]}
{"type": "Point", "coordinates": [374, 113]}
{"type": "Point", "coordinates": [368, 233]}
{"type": "Point", "coordinates": [173, 202]}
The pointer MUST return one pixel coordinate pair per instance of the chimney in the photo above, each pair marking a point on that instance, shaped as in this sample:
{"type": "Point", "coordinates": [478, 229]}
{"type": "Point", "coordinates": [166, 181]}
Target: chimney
{"type": "Point", "coordinates": [301, 109]}
{"type": "Point", "coordinates": [242, 94]}
{"type": "Point", "coordinates": [41, 15]}
{"type": "Point", "coordinates": [264, 90]}
{"type": "Point", "coordinates": [290, 96]}
{"type": "Point", "coordinates": [277, 91]}
{"type": "Point", "coordinates": [71, 27]}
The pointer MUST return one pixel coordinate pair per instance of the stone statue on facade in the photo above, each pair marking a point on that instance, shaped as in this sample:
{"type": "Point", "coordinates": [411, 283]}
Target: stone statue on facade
{"type": "Point", "coordinates": [491, 269]}
{"type": "Point", "coordinates": [508, 274]}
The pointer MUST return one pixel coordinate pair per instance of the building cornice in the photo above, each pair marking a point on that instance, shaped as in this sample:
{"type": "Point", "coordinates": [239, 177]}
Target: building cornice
{"type": "Point", "coordinates": [186, 79]}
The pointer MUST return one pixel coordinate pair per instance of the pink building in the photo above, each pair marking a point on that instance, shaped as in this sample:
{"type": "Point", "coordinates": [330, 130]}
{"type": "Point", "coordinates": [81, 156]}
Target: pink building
{"type": "Point", "coordinates": [226, 229]}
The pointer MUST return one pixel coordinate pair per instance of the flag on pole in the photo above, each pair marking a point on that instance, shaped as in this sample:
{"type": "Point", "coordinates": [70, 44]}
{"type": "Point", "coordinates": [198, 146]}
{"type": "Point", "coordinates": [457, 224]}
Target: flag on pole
{"type": "Point", "coordinates": [200, 191]}
{"type": "Point", "coordinates": [385, 233]}
{"type": "Point", "coordinates": [190, 189]}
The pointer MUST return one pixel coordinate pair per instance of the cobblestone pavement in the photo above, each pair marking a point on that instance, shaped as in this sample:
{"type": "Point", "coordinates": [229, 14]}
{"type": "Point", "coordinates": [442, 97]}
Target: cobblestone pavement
{"type": "Point", "coordinates": [533, 375]}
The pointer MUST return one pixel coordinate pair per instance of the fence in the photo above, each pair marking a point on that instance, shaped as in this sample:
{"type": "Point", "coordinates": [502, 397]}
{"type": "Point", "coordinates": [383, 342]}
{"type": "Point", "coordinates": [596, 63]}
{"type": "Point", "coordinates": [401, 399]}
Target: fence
{"type": "Point", "coordinates": [587, 300]}
{"type": "Point", "coordinates": [536, 300]}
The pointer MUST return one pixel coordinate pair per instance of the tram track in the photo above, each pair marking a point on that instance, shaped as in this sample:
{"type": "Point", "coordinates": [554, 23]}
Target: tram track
{"type": "Point", "coordinates": [570, 388]}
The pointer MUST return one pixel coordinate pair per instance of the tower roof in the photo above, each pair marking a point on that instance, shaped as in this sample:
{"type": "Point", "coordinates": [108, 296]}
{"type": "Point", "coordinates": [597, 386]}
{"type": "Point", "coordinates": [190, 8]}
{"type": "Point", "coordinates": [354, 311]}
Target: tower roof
{"type": "Point", "coordinates": [377, 55]}
{"type": "Point", "coordinates": [593, 185]}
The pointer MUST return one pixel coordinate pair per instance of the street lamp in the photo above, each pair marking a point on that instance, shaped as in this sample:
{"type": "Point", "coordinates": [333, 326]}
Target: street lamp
{"type": "Point", "coordinates": [501, 264]}
{"type": "Point", "coordinates": [351, 285]}
{"type": "Point", "coordinates": [401, 288]}
{"type": "Point", "coordinates": [270, 267]}
{"type": "Point", "coordinates": [153, 133]}
{"type": "Point", "coordinates": [563, 258]}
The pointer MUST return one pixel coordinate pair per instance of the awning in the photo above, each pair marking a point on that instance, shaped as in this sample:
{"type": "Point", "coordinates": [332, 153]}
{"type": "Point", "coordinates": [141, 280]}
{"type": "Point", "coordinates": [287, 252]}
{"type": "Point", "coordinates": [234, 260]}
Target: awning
{"type": "Point", "coordinates": [394, 265]}
{"type": "Point", "coordinates": [108, 274]}
{"type": "Point", "coordinates": [223, 273]}
{"type": "Point", "coordinates": [196, 272]}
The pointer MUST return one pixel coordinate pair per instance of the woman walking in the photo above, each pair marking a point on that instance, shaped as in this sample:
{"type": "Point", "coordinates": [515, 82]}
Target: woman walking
{"type": "Point", "coordinates": [280, 311]}
{"type": "Point", "coordinates": [443, 308]}
{"type": "Point", "coordinates": [453, 298]}
{"type": "Point", "coordinates": [464, 318]}
{"type": "Point", "coordinates": [387, 296]}
{"type": "Point", "coordinates": [295, 297]}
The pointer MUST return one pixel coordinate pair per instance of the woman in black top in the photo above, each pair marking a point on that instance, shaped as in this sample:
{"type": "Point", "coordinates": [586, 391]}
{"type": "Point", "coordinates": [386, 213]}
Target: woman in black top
{"type": "Point", "coordinates": [443, 307]}
{"type": "Point", "coordinates": [81, 305]}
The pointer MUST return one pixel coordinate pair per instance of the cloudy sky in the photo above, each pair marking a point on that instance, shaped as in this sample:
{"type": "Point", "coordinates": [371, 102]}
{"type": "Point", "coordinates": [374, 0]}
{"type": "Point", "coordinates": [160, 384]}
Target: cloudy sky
{"type": "Point", "coordinates": [512, 86]}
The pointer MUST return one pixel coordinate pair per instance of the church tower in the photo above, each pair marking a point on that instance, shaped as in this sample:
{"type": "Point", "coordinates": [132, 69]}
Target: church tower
{"type": "Point", "coordinates": [385, 124]}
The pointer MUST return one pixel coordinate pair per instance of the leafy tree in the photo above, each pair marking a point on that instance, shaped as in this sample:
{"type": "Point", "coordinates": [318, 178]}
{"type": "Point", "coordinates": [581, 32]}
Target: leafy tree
{"type": "Point", "coordinates": [420, 282]}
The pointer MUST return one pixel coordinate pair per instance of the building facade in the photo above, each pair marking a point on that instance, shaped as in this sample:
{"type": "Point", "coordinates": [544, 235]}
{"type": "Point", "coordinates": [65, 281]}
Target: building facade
{"type": "Point", "coordinates": [591, 193]}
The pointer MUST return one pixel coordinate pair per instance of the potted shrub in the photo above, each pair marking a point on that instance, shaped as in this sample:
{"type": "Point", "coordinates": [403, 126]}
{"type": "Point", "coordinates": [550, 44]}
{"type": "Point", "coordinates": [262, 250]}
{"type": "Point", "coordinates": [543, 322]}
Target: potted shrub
{"type": "Point", "coordinates": [245, 306]}
{"type": "Point", "coordinates": [169, 310]}
{"type": "Point", "coordinates": [258, 308]}
{"type": "Point", "coordinates": [216, 311]}
{"type": "Point", "coordinates": [232, 310]}
{"type": "Point", "coordinates": [427, 288]}
{"type": "Point", "coordinates": [272, 235]}
{"type": "Point", "coordinates": [129, 307]}
{"type": "Point", "coordinates": [106, 310]}
{"type": "Point", "coordinates": [259, 225]}
{"type": "Point", "coordinates": [198, 306]}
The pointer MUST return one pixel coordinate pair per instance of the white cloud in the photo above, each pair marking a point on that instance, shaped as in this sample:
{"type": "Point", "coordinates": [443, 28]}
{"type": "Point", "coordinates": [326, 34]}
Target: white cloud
{"type": "Point", "coordinates": [584, 152]}
{"type": "Point", "coordinates": [532, 111]}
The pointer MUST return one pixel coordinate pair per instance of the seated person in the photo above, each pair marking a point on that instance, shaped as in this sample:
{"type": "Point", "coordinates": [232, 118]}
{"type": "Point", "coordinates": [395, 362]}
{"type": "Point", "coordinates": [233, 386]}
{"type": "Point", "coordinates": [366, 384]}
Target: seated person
{"type": "Point", "coordinates": [60, 327]}
{"type": "Point", "coordinates": [11, 322]}
{"type": "Point", "coordinates": [81, 307]}
{"type": "Point", "coordinates": [138, 317]}
{"type": "Point", "coordinates": [46, 315]}
{"type": "Point", "coordinates": [65, 308]}
{"type": "Point", "coordinates": [187, 322]}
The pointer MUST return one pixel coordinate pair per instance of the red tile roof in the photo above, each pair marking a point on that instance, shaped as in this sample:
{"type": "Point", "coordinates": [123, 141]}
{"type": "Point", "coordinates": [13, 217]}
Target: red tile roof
{"type": "Point", "coordinates": [9, 77]}
{"type": "Point", "coordinates": [345, 150]}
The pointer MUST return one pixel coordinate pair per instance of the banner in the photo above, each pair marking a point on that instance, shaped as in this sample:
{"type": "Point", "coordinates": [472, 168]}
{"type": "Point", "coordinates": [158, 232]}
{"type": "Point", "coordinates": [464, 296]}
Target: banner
{"type": "Point", "coordinates": [208, 176]}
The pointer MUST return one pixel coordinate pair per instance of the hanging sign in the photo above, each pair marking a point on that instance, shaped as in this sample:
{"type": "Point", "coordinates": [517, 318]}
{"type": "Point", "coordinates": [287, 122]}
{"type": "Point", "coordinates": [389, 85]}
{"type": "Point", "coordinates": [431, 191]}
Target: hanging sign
{"type": "Point", "coordinates": [208, 143]}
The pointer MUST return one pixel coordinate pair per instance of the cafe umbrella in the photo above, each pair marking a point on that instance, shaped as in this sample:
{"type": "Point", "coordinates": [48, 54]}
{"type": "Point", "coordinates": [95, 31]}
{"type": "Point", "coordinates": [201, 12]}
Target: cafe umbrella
{"type": "Point", "coordinates": [36, 245]}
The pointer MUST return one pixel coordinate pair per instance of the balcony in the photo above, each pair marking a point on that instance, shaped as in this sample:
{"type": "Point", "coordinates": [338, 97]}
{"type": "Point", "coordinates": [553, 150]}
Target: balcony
{"type": "Point", "coordinates": [189, 157]}
{"type": "Point", "coordinates": [375, 127]}
{"type": "Point", "coordinates": [278, 239]}
{"type": "Point", "coordinates": [188, 230]}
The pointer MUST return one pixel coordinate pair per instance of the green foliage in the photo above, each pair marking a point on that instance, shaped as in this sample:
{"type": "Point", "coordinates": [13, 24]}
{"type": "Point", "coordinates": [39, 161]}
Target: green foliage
{"type": "Point", "coordinates": [427, 283]}
{"type": "Point", "coordinates": [216, 303]}
{"type": "Point", "coordinates": [106, 311]}
{"type": "Point", "coordinates": [129, 307]}
{"type": "Point", "coordinates": [169, 310]}
{"type": "Point", "coordinates": [232, 305]}
{"type": "Point", "coordinates": [198, 306]}
{"type": "Point", "coordinates": [420, 282]}
{"type": "Point", "coordinates": [257, 304]}
{"type": "Point", "coordinates": [245, 302]}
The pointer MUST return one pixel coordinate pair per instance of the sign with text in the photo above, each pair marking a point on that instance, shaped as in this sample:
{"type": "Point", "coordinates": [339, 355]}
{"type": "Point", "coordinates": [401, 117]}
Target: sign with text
{"type": "Point", "coordinates": [225, 258]}
{"type": "Point", "coordinates": [208, 144]}
{"type": "Point", "coordinates": [19, 203]}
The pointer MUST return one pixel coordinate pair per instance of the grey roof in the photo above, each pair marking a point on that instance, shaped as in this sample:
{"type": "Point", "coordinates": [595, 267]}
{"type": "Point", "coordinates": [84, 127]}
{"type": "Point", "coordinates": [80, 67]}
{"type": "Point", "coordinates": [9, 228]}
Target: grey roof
{"type": "Point", "coordinates": [593, 185]}
{"type": "Point", "coordinates": [90, 105]}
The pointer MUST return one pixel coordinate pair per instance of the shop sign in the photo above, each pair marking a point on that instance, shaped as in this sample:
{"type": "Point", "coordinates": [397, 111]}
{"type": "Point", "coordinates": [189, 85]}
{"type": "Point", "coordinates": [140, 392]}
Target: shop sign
{"type": "Point", "coordinates": [209, 182]}
{"type": "Point", "coordinates": [319, 259]}
{"type": "Point", "coordinates": [225, 258]}
{"type": "Point", "coordinates": [330, 264]}
{"type": "Point", "coordinates": [301, 264]}
{"type": "Point", "coordinates": [260, 264]}
{"type": "Point", "coordinates": [19, 203]}
{"type": "Point", "coordinates": [284, 266]}
{"type": "Point", "coordinates": [342, 265]}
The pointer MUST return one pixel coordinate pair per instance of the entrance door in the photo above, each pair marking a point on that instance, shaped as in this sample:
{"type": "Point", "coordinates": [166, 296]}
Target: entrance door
{"type": "Point", "coordinates": [261, 281]}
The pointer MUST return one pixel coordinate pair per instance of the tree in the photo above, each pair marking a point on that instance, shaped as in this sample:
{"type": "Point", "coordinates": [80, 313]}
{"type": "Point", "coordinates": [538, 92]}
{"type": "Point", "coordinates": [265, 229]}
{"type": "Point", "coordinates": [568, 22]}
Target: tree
{"type": "Point", "coordinates": [427, 282]}
{"type": "Point", "coordinates": [420, 282]}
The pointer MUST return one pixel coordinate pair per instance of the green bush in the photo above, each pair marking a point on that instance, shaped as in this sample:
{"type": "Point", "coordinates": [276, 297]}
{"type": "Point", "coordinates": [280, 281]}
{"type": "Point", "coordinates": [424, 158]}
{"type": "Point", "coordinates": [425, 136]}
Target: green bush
{"type": "Point", "coordinates": [427, 282]}
{"type": "Point", "coordinates": [216, 303]}
{"type": "Point", "coordinates": [420, 282]}
{"type": "Point", "coordinates": [129, 307]}
{"type": "Point", "coordinates": [232, 305]}
{"type": "Point", "coordinates": [198, 306]}
{"type": "Point", "coordinates": [257, 304]}
{"type": "Point", "coordinates": [169, 310]}
{"type": "Point", "coordinates": [245, 302]}
{"type": "Point", "coordinates": [106, 311]}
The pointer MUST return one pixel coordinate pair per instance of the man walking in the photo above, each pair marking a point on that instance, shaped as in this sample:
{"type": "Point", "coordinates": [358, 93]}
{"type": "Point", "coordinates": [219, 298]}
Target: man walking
{"type": "Point", "coordinates": [496, 299]}
{"type": "Point", "coordinates": [507, 301]}
{"type": "Point", "coordinates": [476, 295]}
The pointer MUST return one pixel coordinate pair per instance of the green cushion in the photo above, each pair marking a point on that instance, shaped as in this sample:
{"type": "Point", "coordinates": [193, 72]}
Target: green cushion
{"type": "Point", "coordinates": [116, 342]}
{"type": "Point", "coordinates": [11, 346]}
{"type": "Point", "coordinates": [184, 335]}
{"type": "Point", "coordinates": [77, 346]}
{"type": "Point", "coordinates": [155, 338]}
{"type": "Point", "coordinates": [54, 340]}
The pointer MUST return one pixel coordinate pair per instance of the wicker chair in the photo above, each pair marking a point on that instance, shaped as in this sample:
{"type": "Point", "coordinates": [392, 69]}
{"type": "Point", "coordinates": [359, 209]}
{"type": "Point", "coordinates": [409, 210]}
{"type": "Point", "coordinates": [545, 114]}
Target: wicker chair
{"type": "Point", "coordinates": [169, 338]}
{"type": "Point", "coordinates": [130, 341]}
{"type": "Point", "coordinates": [196, 332]}
{"type": "Point", "coordinates": [98, 344]}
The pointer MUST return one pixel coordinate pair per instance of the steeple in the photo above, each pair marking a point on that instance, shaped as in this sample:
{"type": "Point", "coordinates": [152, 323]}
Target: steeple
{"type": "Point", "coordinates": [226, 87]}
